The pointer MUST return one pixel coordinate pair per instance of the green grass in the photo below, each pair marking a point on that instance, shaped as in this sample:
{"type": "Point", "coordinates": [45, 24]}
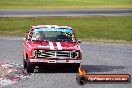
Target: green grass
{"type": "Point", "coordinates": [64, 4]}
{"type": "Point", "coordinates": [89, 28]}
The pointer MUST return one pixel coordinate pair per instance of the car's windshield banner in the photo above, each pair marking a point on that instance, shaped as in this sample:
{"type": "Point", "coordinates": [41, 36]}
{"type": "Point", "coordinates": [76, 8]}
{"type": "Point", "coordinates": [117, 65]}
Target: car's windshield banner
{"type": "Point", "coordinates": [54, 29]}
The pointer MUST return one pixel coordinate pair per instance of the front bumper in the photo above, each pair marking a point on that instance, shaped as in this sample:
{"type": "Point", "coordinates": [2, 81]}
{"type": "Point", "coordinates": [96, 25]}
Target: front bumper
{"type": "Point", "coordinates": [53, 61]}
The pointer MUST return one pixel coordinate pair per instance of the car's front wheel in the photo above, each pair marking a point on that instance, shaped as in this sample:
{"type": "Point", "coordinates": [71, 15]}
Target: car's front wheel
{"type": "Point", "coordinates": [24, 63]}
{"type": "Point", "coordinates": [28, 66]}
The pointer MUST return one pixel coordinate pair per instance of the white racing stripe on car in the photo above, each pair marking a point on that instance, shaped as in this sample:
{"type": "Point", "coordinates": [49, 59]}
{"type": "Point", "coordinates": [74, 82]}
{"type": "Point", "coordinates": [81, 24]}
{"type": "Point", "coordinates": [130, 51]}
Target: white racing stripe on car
{"type": "Point", "coordinates": [59, 46]}
{"type": "Point", "coordinates": [49, 26]}
{"type": "Point", "coordinates": [55, 61]}
{"type": "Point", "coordinates": [51, 46]}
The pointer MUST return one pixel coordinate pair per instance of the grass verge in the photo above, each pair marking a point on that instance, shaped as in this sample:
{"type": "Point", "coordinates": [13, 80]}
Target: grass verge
{"type": "Point", "coordinates": [91, 28]}
{"type": "Point", "coordinates": [64, 4]}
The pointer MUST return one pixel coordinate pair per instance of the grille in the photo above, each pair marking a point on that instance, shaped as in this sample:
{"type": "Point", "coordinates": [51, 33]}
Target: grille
{"type": "Point", "coordinates": [55, 54]}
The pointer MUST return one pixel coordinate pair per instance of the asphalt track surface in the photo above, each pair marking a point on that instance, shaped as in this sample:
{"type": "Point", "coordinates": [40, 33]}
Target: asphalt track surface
{"type": "Point", "coordinates": [34, 13]}
{"type": "Point", "coordinates": [97, 58]}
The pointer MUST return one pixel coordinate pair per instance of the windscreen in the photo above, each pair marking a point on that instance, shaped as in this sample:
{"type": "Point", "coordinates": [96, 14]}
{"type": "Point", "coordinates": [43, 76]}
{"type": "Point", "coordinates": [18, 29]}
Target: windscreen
{"type": "Point", "coordinates": [53, 34]}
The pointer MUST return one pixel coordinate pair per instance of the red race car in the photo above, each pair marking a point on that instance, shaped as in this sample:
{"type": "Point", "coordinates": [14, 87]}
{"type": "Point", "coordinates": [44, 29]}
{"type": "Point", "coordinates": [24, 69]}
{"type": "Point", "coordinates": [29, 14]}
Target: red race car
{"type": "Point", "coordinates": [51, 44]}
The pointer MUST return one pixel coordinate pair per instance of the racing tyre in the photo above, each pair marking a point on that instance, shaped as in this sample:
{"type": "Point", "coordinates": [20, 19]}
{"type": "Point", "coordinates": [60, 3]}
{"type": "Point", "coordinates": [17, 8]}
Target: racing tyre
{"type": "Point", "coordinates": [24, 63]}
{"type": "Point", "coordinates": [30, 67]}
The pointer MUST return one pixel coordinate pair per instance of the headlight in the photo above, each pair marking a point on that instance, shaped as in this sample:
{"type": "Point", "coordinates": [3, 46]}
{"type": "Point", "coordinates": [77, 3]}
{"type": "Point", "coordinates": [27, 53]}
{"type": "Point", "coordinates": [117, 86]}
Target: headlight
{"type": "Point", "coordinates": [35, 53]}
{"type": "Point", "coordinates": [75, 54]}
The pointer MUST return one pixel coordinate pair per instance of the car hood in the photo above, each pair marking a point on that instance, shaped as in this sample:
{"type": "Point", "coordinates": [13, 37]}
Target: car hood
{"type": "Point", "coordinates": [56, 45]}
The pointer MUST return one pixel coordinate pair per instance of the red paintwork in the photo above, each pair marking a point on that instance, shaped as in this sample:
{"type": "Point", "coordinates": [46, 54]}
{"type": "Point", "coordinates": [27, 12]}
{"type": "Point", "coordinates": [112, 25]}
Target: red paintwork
{"type": "Point", "coordinates": [30, 45]}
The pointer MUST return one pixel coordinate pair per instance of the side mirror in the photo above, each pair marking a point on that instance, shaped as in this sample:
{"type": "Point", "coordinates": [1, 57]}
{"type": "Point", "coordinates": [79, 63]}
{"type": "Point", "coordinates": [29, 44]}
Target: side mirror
{"type": "Point", "coordinates": [79, 41]}
{"type": "Point", "coordinates": [24, 39]}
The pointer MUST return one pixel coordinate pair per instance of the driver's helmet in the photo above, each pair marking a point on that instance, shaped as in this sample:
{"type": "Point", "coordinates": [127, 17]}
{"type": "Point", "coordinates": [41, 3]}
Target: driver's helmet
{"type": "Point", "coordinates": [38, 35]}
